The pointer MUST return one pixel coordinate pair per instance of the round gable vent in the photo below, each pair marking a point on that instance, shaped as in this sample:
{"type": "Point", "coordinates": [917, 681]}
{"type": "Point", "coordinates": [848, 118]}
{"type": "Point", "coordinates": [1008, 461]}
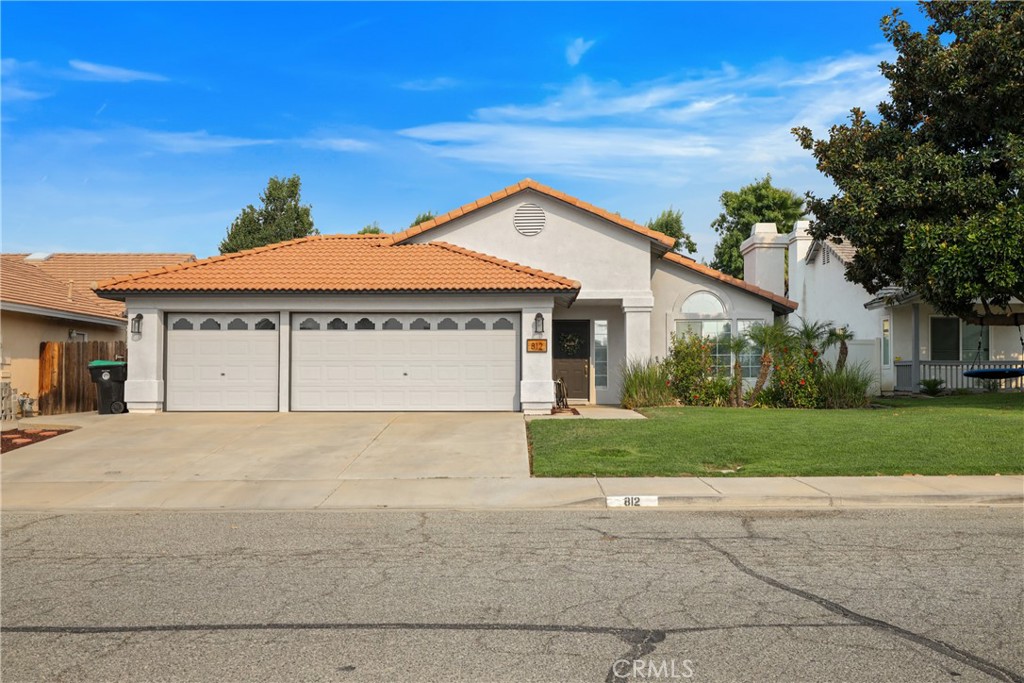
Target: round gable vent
{"type": "Point", "coordinates": [529, 219]}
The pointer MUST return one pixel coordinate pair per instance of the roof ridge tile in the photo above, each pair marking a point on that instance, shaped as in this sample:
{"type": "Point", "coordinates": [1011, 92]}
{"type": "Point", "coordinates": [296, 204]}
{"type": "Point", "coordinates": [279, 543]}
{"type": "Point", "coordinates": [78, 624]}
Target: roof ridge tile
{"type": "Point", "coordinates": [530, 184]}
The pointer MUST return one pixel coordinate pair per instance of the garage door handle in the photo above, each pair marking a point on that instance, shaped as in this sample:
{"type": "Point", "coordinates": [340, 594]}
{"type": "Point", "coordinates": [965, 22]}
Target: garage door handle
{"type": "Point", "coordinates": [222, 374]}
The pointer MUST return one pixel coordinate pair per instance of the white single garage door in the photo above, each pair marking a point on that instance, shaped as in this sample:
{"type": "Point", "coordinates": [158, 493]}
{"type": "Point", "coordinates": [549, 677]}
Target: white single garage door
{"type": "Point", "coordinates": [414, 361]}
{"type": "Point", "coordinates": [218, 361]}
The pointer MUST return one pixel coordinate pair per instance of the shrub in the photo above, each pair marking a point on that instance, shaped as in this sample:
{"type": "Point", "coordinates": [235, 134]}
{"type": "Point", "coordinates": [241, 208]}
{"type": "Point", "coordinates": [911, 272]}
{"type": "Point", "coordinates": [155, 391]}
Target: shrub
{"type": "Point", "coordinates": [845, 387]}
{"type": "Point", "coordinates": [932, 387]}
{"type": "Point", "coordinates": [795, 380]}
{"type": "Point", "coordinates": [645, 382]}
{"type": "Point", "coordinates": [694, 378]}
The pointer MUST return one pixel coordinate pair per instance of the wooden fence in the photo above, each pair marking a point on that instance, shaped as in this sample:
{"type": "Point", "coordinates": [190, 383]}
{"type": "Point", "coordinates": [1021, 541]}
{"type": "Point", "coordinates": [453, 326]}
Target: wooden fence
{"type": "Point", "coordinates": [65, 385]}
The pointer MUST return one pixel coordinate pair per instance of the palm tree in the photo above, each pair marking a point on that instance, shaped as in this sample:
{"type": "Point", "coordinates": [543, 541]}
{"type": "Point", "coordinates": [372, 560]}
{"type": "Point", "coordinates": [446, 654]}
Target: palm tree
{"type": "Point", "coordinates": [771, 338]}
{"type": "Point", "coordinates": [738, 345]}
{"type": "Point", "coordinates": [840, 335]}
{"type": "Point", "coordinates": [813, 336]}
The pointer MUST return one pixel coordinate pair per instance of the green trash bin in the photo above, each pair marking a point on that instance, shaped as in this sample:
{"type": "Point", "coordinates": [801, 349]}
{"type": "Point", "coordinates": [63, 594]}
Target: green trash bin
{"type": "Point", "coordinates": [109, 376]}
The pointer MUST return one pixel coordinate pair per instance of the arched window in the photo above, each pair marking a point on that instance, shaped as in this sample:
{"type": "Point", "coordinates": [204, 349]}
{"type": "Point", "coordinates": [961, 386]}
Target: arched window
{"type": "Point", "coordinates": [337, 324]}
{"type": "Point", "coordinates": [238, 324]}
{"type": "Point", "coordinates": [309, 324]}
{"type": "Point", "coordinates": [391, 324]}
{"type": "Point", "coordinates": [182, 324]}
{"type": "Point", "coordinates": [365, 324]}
{"type": "Point", "coordinates": [447, 324]}
{"type": "Point", "coordinates": [419, 324]}
{"type": "Point", "coordinates": [502, 324]}
{"type": "Point", "coordinates": [703, 314]}
{"type": "Point", "coordinates": [266, 324]}
{"type": "Point", "coordinates": [475, 324]}
{"type": "Point", "coordinates": [209, 324]}
{"type": "Point", "coordinates": [701, 305]}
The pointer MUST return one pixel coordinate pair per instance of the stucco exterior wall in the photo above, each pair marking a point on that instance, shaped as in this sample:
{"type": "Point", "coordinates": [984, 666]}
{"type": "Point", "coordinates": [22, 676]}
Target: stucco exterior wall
{"type": "Point", "coordinates": [824, 294]}
{"type": "Point", "coordinates": [610, 261]}
{"type": "Point", "coordinates": [21, 334]}
{"type": "Point", "coordinates": [673, 284]}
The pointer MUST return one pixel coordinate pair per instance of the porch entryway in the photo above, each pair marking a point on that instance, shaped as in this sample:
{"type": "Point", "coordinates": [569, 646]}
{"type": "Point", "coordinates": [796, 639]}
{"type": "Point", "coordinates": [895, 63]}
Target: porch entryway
{"type": "Point", "coordinates": [570, 358]}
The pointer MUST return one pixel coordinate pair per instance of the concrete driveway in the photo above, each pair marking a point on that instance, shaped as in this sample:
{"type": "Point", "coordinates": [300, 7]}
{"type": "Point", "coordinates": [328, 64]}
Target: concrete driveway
{"type": "Point", "coordinates": [273, 458]}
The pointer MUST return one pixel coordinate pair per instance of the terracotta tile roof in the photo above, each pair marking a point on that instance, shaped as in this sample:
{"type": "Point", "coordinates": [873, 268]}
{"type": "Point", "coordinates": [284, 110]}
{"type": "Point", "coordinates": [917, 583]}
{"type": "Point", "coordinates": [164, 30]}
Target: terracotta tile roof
{"type": "Point", "coordinates": [529, 184]}
{"type": "Point", "coordinates": [344, 263]}
{"type": "Point", "coordinates": [25, 284]}
{"type": "Point", "coordinates": [45, 282]}
{"type": "Point", "coordinates": [781, 301]}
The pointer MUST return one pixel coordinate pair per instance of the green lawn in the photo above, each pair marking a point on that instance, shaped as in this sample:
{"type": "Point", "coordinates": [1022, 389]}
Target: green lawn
{"type": "Point", "coordinates": [976, 434]}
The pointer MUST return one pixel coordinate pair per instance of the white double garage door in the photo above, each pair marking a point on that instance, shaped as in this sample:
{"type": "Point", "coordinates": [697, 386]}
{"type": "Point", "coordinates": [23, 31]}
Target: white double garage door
{"type": "Point", "coordinates": [344, 361]}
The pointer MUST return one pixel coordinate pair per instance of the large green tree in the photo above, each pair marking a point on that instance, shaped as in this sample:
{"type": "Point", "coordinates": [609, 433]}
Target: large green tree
{"type": "Point", "coordinates": [758, 202]}
{"type": "Point", "coordinates": [670, 222]}
{"type": "Point", "coordinates": [930, 194]}
{"type": "Point", "coordinates": [281, 216]}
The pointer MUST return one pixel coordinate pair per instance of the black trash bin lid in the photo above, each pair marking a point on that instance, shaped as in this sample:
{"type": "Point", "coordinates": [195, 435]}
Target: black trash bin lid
{"type": "Point", "coordinates": [106, 363]}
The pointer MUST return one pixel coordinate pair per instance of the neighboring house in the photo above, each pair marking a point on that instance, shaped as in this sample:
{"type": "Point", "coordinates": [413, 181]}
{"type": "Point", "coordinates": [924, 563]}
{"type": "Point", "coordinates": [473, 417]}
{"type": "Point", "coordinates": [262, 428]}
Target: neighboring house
{"type": "Point", "coordinates": [49, 297]}
{"type": "Point", "coordinates": [477, 309]}
{"type": "Point", "coordinates": [900, 338]}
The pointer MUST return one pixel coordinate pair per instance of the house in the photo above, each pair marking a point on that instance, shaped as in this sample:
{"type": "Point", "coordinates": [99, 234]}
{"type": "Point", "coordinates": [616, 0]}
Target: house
{"type": "Point", "coordinates": [478, 309]}
{"type": "Point", "coordinates": [49, 297]}
{"type": "Point", "coordinates": [899, 337]}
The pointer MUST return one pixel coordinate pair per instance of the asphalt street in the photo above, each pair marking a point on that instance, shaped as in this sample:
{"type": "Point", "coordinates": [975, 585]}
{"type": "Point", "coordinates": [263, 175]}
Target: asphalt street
{"type": "Point", "coordinates": [928, 594]}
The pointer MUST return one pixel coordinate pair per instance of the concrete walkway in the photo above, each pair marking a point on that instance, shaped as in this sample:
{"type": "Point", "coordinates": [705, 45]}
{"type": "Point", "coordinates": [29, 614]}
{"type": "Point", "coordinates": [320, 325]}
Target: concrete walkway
{"type": "Point", "coordinates": [389, 460]}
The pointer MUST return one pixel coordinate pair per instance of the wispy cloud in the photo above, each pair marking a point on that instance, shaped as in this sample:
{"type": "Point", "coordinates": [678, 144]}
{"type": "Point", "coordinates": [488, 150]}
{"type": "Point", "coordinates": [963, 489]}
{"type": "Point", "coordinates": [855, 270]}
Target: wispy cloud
{"type": "Point", "coordinates": [116, 74]}
{"type": "Point", "coordinates": [11, 87]}
{"type": "Point", "coordinates": [335, 144]}
{"type": "Point", "coordinates": [195, 142]}
{"type": "Point", "coordinates": [724, 122]}
{"type": "Point", "coordinates": [430, 84]}
{"type": "Point", "coordinates": [576, 49]}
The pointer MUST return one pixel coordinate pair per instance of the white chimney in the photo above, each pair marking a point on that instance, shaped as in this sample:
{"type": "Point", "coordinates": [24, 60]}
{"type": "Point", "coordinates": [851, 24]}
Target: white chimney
{"type": "Point", "coordinates": [764, 258]}
{"type": "Point", "coordinates": [799, 244]}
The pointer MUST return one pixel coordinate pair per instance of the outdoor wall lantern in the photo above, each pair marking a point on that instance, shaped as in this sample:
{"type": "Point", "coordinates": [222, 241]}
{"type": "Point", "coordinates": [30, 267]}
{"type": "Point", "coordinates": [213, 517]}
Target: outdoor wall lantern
{"type": "Point", "coordinates": [538, 323]}
{"type": "Point", "coordinates": [137, 324]}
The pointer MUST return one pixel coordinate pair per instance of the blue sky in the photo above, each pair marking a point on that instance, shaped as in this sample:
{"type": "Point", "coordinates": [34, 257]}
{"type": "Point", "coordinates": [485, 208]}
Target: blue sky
{"type": "Point", "coordinates": [148, 126]}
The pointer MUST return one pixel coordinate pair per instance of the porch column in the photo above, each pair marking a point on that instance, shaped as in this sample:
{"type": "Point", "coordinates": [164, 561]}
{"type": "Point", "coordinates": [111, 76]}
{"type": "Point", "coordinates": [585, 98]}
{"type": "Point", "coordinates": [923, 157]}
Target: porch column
{"type": "Point", "coordinates": [637, 318]}
{"type": "Point", "coordinates": [536, 388]}
{"type": "Point", "coordinates": [915, 352]}
{"type": "Point", "coordinates": [144, 388]}
{"type": "Point", "coordinates": [284, 382]}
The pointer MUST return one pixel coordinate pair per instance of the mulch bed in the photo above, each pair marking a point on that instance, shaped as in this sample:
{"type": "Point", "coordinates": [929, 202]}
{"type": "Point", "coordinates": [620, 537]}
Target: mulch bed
{"type": "Point", "coordinates": [16, 438]}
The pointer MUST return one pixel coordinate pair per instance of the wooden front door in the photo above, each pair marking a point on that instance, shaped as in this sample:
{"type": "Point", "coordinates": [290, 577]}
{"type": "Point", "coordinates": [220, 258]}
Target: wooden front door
{"type": "Point", "coordinates": [571, 356]}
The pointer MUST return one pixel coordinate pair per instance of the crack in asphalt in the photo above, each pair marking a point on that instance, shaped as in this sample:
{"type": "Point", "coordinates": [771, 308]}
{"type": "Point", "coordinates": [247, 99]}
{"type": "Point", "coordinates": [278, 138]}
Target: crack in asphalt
{"type": "Point", "coordinates": [964, 657]}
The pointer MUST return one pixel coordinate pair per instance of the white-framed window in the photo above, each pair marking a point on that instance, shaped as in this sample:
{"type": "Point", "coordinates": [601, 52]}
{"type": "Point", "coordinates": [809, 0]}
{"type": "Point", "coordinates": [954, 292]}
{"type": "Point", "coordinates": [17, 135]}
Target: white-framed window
{"type": "Point", "coordinates": [718, 332]}
{"type": "Point", "coordinates": [601, 353]}
{"type": "Point", "coordinates": [886, 342]}
{"type": "Point", "coordinates": [952, 339]}
{"type": "Point", "coordinates": [750, 360]}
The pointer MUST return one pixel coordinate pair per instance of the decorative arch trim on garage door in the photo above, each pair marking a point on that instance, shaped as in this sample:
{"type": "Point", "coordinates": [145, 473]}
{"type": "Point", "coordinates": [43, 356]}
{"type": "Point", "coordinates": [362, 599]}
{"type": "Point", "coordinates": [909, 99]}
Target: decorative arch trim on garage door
{"type": "Point", "coordinates": [405, 361]}
{"type": "Point", "coordinates": [222, 361]}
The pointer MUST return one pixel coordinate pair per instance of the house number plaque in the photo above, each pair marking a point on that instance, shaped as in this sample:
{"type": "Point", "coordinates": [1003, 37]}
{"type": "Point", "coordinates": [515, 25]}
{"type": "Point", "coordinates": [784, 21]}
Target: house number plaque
{"type": "Point", "coordinates": [536, 345]}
